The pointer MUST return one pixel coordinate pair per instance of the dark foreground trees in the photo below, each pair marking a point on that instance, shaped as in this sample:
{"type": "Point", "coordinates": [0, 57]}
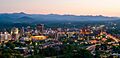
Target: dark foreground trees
{"type": "Point", "coordinates": [67, 51]}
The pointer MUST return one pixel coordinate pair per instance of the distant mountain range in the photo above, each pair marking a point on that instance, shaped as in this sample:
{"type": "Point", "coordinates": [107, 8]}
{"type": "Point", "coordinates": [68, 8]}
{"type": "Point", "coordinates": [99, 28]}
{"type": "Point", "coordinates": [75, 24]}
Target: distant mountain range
{"type": "Point", "coordinates": [33, 18]}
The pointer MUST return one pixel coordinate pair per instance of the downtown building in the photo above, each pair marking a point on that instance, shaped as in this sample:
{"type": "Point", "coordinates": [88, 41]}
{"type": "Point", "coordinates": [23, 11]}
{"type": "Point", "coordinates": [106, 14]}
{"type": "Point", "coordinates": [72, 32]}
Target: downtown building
{"type": "Point", "coordinates": [5, 37]}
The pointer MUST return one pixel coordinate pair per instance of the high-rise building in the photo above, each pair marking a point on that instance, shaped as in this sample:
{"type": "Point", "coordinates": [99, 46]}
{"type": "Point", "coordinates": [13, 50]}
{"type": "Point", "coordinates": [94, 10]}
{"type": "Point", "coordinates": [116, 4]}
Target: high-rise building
{"type": "Point", "coordinates": [22, 31]}
{"type": "Point", "coordinates": [15, 33]}
{"type": "Point", "coordinates": [40, 28]}
{"type": "Point", "coordinates": [5, 37]}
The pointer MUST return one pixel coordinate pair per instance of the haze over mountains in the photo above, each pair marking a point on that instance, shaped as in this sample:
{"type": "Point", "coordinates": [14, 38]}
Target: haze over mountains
{"type": "Point", "coordinates": [35, 18]}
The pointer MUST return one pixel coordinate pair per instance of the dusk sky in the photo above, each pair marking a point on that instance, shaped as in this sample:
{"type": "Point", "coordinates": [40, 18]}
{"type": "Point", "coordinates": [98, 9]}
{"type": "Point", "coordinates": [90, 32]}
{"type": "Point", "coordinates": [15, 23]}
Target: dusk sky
{"type": "Point", "coordinates": [75, 7]}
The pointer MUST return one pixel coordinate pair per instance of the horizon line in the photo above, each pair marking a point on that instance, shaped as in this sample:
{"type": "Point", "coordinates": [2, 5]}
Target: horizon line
{"type": "Point", "coordinates": [57, 14]}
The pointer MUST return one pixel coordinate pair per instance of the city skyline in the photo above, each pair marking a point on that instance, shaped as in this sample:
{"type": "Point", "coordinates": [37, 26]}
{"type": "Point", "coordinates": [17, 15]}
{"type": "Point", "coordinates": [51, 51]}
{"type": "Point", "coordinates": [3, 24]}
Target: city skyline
{"type": "Point", "coordinates": [59, 29]}
{"type": "Point", "coordinates": [74, 7]}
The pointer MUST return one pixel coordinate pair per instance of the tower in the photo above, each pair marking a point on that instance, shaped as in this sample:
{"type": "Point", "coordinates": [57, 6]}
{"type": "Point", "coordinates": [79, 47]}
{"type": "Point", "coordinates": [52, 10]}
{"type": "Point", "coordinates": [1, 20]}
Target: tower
{"type": "Point", "coordinates": [40, 28]}
{"type": "Point", "coordinates": [15, 33]}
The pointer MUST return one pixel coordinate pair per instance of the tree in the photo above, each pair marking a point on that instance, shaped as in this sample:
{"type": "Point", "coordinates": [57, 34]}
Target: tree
{"type": "Point", "coordinates": [36, 56]}
{"type": "Point", "coordinates": [10, 45]}
{"type": "Point", "coordinates": [50, 52]}
{"type": "Point", "coordinates": [6, 55]}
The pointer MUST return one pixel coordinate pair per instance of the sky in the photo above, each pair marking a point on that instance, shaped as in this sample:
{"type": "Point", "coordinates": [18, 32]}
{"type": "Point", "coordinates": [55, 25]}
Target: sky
{"type": "Point", "coordinates": [73, 7]}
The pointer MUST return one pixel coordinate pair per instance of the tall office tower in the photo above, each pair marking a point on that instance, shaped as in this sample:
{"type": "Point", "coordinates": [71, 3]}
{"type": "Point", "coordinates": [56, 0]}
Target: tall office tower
{"type": "Point", "coordinates": [1, 37]}
{"type": "Point", "coordinates": [15, 33]}
{"type": "Point", "coordinates": [5, 37]}
{"type": "Point", "coordinates": [57, 35]}
{"type": "Point", "coordinates": [22, 31]}
{"type": "Point", "coordinates": [40, 28]}
{"type": "Point", "coordinates": [29, 29]}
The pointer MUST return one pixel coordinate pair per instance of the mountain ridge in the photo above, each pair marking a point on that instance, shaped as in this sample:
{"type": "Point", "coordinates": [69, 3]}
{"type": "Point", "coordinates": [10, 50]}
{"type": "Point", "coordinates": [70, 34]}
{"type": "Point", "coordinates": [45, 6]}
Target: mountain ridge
{"type": "Point", "coordinates": [32, 18]}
